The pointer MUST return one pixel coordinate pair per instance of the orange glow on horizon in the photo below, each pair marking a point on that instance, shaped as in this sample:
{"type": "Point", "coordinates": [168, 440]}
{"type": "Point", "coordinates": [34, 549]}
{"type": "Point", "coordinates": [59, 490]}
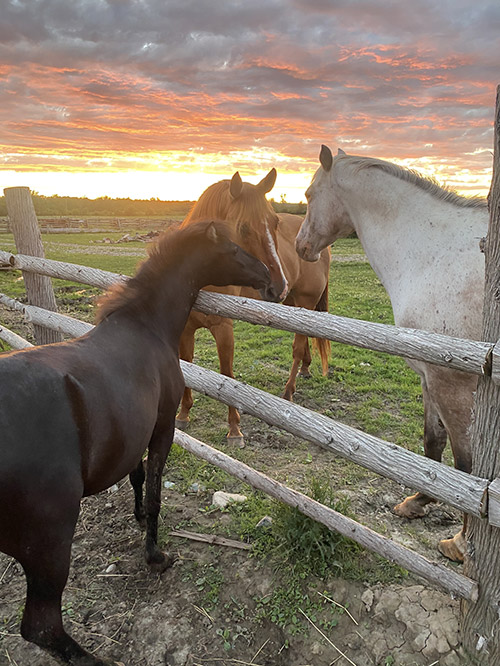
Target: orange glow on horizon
{"type": "Point", "coordinates": [184, 176]}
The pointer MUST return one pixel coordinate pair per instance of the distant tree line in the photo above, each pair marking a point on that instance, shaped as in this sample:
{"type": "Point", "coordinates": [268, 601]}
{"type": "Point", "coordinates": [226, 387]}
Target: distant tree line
{"type": "Point", "coordinates": [285, 207]}
{"type": "Point", "coordinates": [58, 206]}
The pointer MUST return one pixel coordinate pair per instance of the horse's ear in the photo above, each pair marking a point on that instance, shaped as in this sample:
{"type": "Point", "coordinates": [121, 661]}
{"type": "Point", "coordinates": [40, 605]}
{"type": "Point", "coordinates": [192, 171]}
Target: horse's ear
{"type": "Point", "coordinates": [326, 158]}
{"type": "Point", "coordinates": [341, 152]}
{"type": "Point", "coordinates": [267, 183]}
{"type": "Point", "coordinates": [212, 233]}
{"type": "Point", "coordinates": [236, 186]}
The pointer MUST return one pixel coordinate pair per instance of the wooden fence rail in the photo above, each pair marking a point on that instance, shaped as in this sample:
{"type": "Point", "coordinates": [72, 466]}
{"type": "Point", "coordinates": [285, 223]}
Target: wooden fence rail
{"type": "Point", "coordinates": [434, 572]}
{"type": "Point", "coordinates": [13, 339]}
{"type": "Point", "coordinates": [466, 355]}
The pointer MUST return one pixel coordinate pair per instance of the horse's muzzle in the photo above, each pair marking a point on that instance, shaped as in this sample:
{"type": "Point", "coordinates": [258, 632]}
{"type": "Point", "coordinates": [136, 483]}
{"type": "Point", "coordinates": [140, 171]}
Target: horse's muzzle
{"type": "Point", "coordinates": [305, 252]}
{"type": "Point", "coordinates": [274, 294]}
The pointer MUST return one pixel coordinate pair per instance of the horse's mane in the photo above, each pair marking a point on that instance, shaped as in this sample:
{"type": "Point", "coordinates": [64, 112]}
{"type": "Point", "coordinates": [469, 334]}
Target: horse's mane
{"type": "Point", "coordinates": [426, 183]}
{"type": "Point", "coordinates": [214, 202]}
{"type": "Point", "coordinates": [169, 249]}
{"type": "Point", "coordinates": [217, 202]}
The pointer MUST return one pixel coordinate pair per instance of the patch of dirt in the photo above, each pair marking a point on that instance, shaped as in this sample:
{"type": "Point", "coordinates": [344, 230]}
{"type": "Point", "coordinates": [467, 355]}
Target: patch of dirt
{"type": "Point", "coordinates": [15, 322]}
{"type": "Point", "coordinates": [132, 238]}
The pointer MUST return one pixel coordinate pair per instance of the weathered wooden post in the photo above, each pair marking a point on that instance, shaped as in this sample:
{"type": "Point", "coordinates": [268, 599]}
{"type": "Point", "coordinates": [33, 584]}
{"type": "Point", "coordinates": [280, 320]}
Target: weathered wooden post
{"type": "Point", "coordinates": [481, 621]}
{"type": "Point", "coordinates": [24, 225]}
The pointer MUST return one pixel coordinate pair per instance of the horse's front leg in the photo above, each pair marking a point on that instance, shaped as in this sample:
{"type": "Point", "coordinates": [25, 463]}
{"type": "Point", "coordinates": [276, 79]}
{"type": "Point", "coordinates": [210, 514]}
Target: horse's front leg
{"type": "Point", "coordinates": [158, 450]}
{"type": "Point", "coordinates": [224, 338]}
{"type": "Point", "coordinates": [455, 547]}
{"type": "Point", "coordinates": [186, 353]}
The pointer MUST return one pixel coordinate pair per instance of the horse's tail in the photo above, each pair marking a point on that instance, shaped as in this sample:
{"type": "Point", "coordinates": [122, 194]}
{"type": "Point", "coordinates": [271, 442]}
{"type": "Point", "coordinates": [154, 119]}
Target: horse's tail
{"type": "Point", "coordinates": [320, 344]}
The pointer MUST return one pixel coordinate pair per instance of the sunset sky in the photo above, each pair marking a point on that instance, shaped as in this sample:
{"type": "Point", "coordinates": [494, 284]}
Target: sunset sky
{"type": "Point", "coordinates": [160, 98]}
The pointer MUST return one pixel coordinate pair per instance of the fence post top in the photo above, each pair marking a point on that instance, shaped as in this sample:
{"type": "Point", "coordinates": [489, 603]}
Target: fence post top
{"type": "Point", "coordinates": [16, 187]}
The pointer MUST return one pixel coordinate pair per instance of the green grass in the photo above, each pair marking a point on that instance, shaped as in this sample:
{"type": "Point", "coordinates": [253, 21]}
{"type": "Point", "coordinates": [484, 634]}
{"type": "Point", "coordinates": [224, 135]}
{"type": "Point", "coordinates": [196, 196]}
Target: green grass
{"type": "Point", "coordinates": [347, 246]}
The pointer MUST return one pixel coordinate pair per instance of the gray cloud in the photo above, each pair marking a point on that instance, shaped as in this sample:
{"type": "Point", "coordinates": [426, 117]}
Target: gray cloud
{"type": "Point", "coordinates": [398, 77]}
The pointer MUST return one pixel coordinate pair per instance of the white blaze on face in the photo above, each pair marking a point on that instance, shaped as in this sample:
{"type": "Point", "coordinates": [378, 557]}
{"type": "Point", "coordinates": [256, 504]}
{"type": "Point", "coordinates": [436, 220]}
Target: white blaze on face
{"type": "Point", "coordinates": [274, 253]}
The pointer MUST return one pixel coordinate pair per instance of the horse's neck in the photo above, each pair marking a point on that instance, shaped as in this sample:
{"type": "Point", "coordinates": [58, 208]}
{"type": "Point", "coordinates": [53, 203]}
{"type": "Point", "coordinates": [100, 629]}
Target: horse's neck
{"type": "Point", "coordinates": [386, 234]}
{"type": "Point", "coordinates": [409, 236]}
{"type": "Point", "coordinates": [166, 311]}
{"type": "Point", "coordinates": [173, 304]}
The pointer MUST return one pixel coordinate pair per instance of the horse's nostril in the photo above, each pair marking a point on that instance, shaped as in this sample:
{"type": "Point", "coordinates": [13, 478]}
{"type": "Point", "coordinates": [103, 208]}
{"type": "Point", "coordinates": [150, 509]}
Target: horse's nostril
{"type": "Point", "coordinates": [273, 295]}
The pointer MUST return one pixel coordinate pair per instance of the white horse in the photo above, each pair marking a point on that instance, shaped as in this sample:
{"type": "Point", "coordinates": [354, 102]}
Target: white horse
{"type": "Point", "coordinates": [423, 243]}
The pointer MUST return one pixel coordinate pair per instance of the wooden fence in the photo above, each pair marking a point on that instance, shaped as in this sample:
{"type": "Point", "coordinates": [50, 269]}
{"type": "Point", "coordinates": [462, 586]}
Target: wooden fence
{"type": "Point", "coordinates": [364, 449]}
{"type": "Point", "coordinates": [463, 491]}
{"type": "Point", "coordinates": [94, 225]}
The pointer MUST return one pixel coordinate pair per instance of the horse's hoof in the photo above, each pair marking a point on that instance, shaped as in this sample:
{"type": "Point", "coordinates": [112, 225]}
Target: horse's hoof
{"type": "Point", "coordinates": [159, 565]}
{"type": "Point", "coordinates": [181, 424]}
{"type": "Point", "coordinates": [305, 373]}
{"type": "Point", "coordinates": [236, 440]}
{"type": "Point", "coordinates": [409, 509]}
{"type": "Point", "coordinates": [454, 548]}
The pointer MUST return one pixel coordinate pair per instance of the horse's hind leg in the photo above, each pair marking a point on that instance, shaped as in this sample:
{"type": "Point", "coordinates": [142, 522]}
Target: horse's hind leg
{"type": "Point", "coordinates": [137, 477]}
{"type": "Point", "coordinates": [45, 560]}
{"type": "Point", "coordinates": [42, 619]}
{"type": "Point", "coordinates": [300, 344]}
{"type": "Point", "coordinates": [435, 437]}
{"type": "Point", "coordinates": [306, 361]}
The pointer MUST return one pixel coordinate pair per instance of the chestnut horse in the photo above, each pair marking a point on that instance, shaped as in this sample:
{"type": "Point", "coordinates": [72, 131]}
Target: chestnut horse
{"type": "Point", "coordinates": [255, 226]}
{"type": "Point", "coordinates": [76, 417]}
{"type": "Point", "coordinates": [423, 243]}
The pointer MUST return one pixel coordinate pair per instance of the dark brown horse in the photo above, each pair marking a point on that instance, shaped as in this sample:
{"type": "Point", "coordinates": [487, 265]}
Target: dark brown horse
{"type": "Point", "coordinates": [255, 226]}
{"type": "Point", "coordinates": [76, 417]}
